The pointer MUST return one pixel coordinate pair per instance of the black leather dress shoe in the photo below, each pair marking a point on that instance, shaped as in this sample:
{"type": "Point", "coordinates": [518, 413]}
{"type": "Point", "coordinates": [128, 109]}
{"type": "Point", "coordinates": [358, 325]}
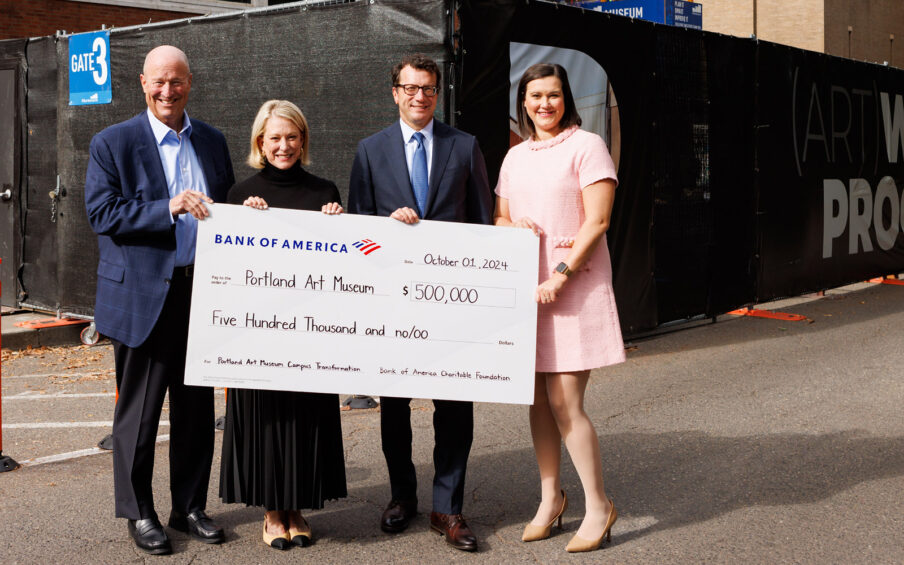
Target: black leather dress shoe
{"type": "Point", "coordinates": [456, 531]}
{"type": "Point", "coordinates": [149, 536]}
{"type": "Point", "coordinates": [397, 515]}
{"type": "Point", "coordinates": [199, 525]}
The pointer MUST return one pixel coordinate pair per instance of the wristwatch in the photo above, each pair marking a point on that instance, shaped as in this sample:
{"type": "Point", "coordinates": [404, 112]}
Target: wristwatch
{"type": "Point", "coordinates": [563, 268]}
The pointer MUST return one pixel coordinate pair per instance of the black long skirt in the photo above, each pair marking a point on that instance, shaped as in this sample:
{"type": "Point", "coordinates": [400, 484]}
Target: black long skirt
{"type": "Point", "coordinates": [282, 450]}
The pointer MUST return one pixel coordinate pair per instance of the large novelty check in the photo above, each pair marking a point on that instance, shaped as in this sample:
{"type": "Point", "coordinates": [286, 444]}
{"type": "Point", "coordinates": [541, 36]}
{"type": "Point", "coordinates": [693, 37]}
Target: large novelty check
{"type": "Point", "coordinates": [292, 300]}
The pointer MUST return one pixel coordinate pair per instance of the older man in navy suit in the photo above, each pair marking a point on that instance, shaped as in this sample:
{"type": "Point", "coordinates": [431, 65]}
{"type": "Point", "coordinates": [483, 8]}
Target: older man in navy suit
{"type": "Point", "coordinates": [148, 182]}
{"type": "Point", "coordinates": [421, 168]}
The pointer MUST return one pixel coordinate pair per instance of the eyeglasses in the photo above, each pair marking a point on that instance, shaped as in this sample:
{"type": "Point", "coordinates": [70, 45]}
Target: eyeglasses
{"type": "Point", "coordinates": [411, 89]}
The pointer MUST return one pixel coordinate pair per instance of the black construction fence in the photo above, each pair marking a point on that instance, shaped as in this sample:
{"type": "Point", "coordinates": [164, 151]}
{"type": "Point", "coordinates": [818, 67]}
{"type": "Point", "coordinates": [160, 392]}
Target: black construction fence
{"type": "Point", "coordinates": [748, 170]}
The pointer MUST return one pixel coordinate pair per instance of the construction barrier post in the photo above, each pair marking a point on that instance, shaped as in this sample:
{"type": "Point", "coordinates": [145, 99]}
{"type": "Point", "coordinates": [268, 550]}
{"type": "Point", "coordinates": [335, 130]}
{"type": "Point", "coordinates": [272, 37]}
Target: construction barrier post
{"type": "Point", "coordinates": [6, 463]}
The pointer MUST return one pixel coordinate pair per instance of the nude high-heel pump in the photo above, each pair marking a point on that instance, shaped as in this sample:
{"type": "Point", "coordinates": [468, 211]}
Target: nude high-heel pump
{"type": "Point", "coordinates": [578, 544]}
{"type": "Point", "coordinates": [535, 533]}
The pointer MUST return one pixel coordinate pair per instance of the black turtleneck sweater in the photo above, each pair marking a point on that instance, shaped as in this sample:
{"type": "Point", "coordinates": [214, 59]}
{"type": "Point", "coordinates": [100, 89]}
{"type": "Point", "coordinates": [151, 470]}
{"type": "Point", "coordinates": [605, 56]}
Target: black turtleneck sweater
{"type": "Point", "coordinates": [293, 188]}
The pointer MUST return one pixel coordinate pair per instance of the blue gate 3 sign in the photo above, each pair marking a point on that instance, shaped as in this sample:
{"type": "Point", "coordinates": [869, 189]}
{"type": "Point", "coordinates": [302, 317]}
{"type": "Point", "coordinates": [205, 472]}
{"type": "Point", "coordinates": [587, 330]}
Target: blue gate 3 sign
{"type": "Point", "coordinates": [89, 69]}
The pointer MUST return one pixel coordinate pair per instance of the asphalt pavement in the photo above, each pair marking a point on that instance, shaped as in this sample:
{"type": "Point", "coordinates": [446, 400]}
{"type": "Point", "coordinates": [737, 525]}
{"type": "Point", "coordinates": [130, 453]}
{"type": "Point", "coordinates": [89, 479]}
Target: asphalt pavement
{"type": "Point", "coordinates": [747, 440]}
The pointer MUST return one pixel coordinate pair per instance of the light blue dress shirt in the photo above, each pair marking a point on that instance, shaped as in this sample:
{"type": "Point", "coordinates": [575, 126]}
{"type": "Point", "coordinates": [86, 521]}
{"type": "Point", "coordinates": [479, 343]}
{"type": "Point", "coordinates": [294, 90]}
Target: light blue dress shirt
{"type": "Point", "coordinates": [411, 145]}
{"type": "Point", "coordinates": [183, 172]}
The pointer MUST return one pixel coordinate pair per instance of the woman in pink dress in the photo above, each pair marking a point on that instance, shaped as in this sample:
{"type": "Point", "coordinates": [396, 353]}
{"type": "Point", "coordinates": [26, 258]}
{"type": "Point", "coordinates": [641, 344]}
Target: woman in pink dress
{"type": "Point", "coordinates": [560, 183]}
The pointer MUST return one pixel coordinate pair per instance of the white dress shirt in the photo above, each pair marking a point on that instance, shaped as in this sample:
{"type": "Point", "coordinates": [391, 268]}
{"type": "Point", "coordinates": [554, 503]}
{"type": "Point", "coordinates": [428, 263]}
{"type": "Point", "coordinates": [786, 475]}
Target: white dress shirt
{"type": "Point", "coordinates": [183, 172]}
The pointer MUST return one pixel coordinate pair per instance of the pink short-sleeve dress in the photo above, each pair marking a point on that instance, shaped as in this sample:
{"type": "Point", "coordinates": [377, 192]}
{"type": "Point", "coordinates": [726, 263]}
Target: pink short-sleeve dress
{"type": "Point", "coordinates": [543, 180]}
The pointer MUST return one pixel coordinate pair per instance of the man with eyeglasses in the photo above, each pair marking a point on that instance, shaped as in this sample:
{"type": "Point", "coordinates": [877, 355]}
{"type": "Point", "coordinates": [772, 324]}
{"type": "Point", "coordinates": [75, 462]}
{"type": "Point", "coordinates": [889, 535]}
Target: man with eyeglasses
{"type": "Point", "coordinates": [420, 168]}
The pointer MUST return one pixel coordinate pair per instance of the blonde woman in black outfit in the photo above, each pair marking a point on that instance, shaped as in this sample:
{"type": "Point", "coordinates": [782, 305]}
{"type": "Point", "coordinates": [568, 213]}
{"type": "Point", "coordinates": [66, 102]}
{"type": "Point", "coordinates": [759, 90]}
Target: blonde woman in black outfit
{"type": "Point", "coordinates": [283, 450]}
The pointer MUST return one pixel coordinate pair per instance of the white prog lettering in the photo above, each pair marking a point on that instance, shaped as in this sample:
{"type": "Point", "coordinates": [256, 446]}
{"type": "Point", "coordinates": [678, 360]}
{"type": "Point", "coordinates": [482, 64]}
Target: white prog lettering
{"type": "Point", "coordinates": [853, 208]}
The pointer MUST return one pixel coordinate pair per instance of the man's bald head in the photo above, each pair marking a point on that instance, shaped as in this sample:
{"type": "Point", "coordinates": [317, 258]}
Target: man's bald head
{"type": "Point", "coordinates": [166, 81]}
{"type": "Point", "coordinates": [165, 54]}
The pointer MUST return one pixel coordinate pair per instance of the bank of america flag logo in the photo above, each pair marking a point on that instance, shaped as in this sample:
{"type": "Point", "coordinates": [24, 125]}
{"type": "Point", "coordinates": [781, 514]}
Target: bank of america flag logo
{"type": "Point", "coordinates": [366, 246]}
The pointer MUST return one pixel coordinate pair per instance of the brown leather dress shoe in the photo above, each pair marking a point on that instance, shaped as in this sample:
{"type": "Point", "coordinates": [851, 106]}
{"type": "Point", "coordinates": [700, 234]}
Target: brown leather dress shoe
{"type": "Point", "coordinates": [397, 515]}
{"type": "Point", "coordinates": [456, 531]}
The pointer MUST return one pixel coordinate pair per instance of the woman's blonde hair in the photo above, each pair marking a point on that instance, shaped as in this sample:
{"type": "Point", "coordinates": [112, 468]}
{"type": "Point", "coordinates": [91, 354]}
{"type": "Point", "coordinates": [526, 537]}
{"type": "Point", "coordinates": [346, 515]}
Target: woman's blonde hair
{"type": "Point", "coordinates": [281, 109]}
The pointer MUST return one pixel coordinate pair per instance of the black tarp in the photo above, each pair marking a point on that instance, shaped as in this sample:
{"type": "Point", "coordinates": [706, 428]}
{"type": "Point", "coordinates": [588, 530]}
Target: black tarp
{"type": "Point", "coordinates": [822, 127]}
{"type": "Point", "coordinates": [333, 60]}
{"type": "Point", "coordinates": [632, 75]}
{"type": "Point", "coordinates": [40, 258]}
{"type": "Point", "coordinates": [711, 212]}
{"type": "Point", "coordinates": [720, 204]}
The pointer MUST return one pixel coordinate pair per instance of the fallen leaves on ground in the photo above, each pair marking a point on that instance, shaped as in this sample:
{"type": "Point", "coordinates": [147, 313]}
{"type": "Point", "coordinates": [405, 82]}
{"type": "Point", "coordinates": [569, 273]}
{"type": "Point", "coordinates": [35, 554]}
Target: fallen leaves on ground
{"type": "Point", "coordinates": [29, 351]}
{"type": "Point", "coordinates": [88, 363]}
{"type": "Point", "coordinates": [79, 355]}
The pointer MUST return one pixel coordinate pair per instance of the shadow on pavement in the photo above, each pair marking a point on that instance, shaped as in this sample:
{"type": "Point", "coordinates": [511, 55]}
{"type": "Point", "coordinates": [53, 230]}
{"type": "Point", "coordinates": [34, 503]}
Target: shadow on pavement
{"type": "Point", "coordinates": [683, 478]}
{"type": "Point", "coordinates": [827, 313]}
{"type": "Point", "coordinates": [658, 482]}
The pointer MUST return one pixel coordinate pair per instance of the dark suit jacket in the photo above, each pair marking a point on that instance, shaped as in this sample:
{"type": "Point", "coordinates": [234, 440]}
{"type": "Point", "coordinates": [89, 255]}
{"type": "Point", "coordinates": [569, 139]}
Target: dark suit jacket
{"type": "Point", "coordinates": [128, 207]}
{"type": "Point", "coordinates": [459, 189]}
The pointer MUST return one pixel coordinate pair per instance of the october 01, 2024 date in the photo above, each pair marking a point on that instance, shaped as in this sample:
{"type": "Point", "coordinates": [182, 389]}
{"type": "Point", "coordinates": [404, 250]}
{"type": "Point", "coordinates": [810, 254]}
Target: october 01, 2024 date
{"type": "Point", "coordinates": [467, 262]}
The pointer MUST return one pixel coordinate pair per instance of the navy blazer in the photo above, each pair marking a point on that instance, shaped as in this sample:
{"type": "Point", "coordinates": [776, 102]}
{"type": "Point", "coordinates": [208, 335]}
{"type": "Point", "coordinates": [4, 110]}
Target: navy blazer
{"type": "Point", "coordinates": [128, 207]}
{"type": "Point", "coordinates": [459, 190]}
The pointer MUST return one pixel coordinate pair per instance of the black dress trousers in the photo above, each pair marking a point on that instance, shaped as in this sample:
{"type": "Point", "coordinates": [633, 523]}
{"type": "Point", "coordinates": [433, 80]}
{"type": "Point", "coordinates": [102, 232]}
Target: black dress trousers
{"type": "Point", "coordinates": [453, 429]}
{"type": "Point", "coordinates": [143, 375]}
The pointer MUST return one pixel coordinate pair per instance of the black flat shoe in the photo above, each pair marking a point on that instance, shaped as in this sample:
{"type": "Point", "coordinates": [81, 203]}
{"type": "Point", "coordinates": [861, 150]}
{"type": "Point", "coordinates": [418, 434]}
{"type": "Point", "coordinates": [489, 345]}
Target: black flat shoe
{"type": "Point", "coordinates": [198, 524]}
{"type": "Point", "coordinates": [149, 536]}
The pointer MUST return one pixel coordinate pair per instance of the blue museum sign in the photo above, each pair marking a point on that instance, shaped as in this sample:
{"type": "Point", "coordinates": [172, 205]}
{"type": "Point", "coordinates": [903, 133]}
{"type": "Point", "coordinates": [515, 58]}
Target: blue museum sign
{"type": "Point", "coordinates": [671, 12]}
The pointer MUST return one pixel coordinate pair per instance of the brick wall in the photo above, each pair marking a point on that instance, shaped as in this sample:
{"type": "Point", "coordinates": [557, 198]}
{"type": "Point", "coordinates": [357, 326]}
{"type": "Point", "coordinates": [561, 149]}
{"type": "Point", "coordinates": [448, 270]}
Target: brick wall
{"type": "Point", "coordinates": [731, 17]}
{"type": "Point", "coordinates": [33, 18]}
{"type": "Point", "coordinates": [800, 23]}
{"type": "Point", "coordinates": [872, 22]}
{"type": "Point", "coordinates": [791, 22]}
